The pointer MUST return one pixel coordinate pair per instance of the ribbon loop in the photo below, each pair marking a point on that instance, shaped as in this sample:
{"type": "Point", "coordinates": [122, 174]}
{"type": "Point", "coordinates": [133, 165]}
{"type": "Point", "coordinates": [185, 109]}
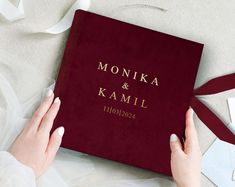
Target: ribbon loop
{"type": "Point", "coordinates": [213, 122]}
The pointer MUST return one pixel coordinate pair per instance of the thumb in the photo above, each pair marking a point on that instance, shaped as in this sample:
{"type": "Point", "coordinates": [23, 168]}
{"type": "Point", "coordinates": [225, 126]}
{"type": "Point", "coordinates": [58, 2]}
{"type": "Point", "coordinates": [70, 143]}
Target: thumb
{"type": "Point", "coordinates": [175, 144]}
{"type": "Point", "coordinates": [54, 144]}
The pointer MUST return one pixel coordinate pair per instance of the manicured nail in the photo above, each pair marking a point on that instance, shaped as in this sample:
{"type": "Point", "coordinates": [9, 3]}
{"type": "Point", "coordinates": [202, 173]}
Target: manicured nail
{"type": "Point", "coordinates": [61, 131]}
{"type": "Point", "coordinates": [173, 138]}
{"type": "Point", "coordinates": [49, 93]}
{"type": "Point", "coordinates": [191, 111]}
{"type": "Point", "coordinates": [57, 100]}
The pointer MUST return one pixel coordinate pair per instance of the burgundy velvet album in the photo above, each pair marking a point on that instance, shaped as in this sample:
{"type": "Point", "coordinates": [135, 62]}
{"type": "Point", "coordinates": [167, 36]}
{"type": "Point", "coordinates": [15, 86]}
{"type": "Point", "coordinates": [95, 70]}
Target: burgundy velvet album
{"type": "Point", "coordinates": [124, 90]}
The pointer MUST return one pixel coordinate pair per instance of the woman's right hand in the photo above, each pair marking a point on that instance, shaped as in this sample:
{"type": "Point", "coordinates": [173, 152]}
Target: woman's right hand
{"type": "Point", "coordinates": [34, 147]}
{"type": "Point", "coordinates": [186, 158]}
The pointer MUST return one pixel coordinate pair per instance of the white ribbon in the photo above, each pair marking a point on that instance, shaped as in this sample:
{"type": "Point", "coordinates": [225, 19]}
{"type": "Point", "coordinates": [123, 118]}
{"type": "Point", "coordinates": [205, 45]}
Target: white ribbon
{"type": "Point", "coordinates": [10, 12]}
{"type": "Point", "coordinates": [66, 22]}
{"type": "Point", "coordinates": [13, 13]}
{"type": "Point", "coordinates": [231, 107]}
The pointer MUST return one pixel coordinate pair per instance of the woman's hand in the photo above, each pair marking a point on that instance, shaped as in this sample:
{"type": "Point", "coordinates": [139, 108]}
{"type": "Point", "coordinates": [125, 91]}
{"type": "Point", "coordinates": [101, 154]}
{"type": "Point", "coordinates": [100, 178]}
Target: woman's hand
{"type": "Point", "coordinates": [186, 159]}
{"type": "Point", "coordinates": [34, 147]}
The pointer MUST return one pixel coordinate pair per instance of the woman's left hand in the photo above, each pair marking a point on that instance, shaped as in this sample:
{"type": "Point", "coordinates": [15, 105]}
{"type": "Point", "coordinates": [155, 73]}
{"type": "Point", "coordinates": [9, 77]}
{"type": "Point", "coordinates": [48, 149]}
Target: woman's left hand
{"type": "Point", "coordinates": [34, 147]}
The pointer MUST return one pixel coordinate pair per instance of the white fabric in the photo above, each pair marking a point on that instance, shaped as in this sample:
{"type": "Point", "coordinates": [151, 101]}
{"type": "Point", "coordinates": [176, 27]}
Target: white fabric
{"type": "Point", "coordinates": [13, 173]}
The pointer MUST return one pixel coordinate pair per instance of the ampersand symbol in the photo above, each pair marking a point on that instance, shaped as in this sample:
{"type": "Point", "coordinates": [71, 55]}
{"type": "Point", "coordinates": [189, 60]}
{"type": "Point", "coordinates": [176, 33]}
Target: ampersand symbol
{"type": "Point", "coordinates": [125, 86]}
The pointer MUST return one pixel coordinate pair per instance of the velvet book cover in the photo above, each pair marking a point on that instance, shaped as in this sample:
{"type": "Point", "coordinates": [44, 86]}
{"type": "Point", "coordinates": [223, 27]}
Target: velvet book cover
{"type": "Point", "coordinates": [124, 90]}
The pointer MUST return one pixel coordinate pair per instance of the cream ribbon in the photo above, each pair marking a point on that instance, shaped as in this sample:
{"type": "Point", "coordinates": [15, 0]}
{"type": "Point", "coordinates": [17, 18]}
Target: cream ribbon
{"type": "Point", "coordinates": [10, 12]}
{"type": "Point", "coordinates": [66, 22]}
{"type": "Point", "coordinates": [231, 107]}
{"type": "Point", "coordinates": [14, 13]}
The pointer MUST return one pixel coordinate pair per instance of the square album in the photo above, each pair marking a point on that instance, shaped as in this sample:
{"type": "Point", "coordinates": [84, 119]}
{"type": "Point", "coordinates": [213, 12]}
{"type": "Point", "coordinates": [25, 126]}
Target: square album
{"type": "Point", "coordinates": [124, 90]}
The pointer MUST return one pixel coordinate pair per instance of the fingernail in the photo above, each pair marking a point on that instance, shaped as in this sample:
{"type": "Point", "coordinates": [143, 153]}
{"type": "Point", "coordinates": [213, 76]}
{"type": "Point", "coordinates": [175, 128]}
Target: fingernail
{"type": "Point", "coordinates": [49, 93]}
{"type": "Point", "coordinates": [61, 131]}
{"type": "Point", "coordinates": [173, 138]}
{"type": "Point", "coordinates": [57, 100]}
{"type": "Point", "coordinates": [191, 111]}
